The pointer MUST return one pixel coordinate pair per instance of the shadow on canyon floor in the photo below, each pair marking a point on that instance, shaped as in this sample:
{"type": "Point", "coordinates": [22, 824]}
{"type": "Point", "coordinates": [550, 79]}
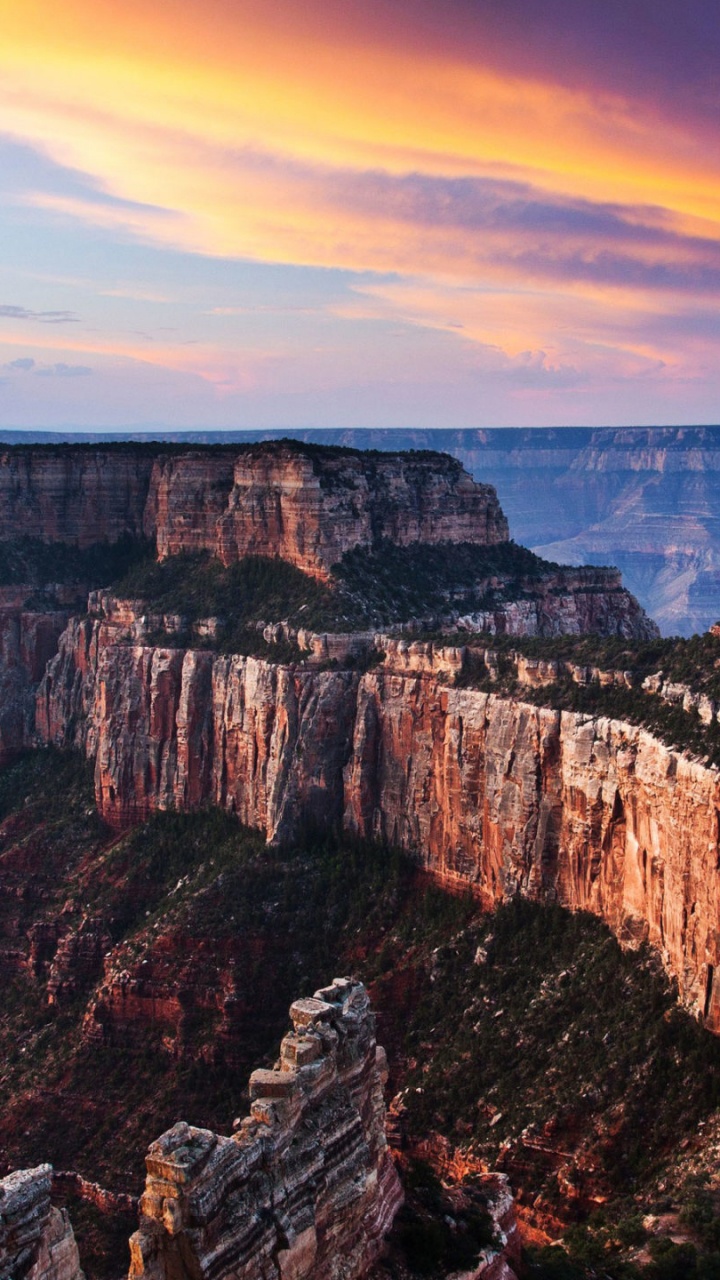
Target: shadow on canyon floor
{"type": "Point", "coordinates": [145, 976]}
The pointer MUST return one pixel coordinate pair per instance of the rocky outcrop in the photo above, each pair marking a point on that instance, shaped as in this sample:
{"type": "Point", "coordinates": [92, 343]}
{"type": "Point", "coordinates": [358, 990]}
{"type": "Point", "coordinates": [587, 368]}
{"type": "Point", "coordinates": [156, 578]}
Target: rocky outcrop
{"type": "Point", "coordinates": [36, 1240]}
{"type": "Point", "coordinates": [310, 507]}
{"type": "Point", "coordinates": [566, 602]}
{"type": "Point", "coordinates": [304, 1188]}
{"type": "Point", "coordinates": [488, 791]}
{"type": "Point", "coordinates": [509, 797]}
{"type": "Point", "coordinates": [306, 505]}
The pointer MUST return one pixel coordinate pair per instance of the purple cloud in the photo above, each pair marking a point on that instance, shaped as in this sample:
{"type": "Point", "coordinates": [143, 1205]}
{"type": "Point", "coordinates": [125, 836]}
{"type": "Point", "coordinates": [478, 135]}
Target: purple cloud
{"type": "Point", "coordinates": [9, 312]}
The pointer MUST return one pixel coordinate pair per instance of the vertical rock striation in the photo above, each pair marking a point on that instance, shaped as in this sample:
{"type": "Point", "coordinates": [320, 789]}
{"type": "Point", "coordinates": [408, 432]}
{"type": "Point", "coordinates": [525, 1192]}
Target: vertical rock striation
{"type": "Point", "coordinates": [36, 1240]}
{"type": "Point", "coordinates": [75, 495]}
{"type": "Point", "coordinates": [305, 1187]}
{"type": "Point", "coordinates": [489, 792]}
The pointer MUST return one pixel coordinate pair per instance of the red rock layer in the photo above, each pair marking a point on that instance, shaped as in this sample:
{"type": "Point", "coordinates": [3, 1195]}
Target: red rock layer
{"type": "Point", "coordinates": [74, 495]}
{"type": "Point", "coordinates": [489, 792]}
{"type": "Point", "coordinates": [310, 509]}
{"type": "Point", "coordinates": [305, 1187]}
{"type": "Point", "coordinates": [268, 499]}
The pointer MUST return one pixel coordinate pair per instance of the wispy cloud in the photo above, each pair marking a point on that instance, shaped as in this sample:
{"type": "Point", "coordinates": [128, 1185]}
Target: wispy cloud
{"type": "Point", "coordinates": [60, 369]}
{"type": "Point", "coordinates": [10, 312]}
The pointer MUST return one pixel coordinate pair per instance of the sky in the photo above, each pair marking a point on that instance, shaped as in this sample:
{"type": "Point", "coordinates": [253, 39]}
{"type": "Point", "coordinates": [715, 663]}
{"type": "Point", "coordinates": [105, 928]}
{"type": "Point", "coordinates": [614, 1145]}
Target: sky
{"type": "Point", "coordinates": [327, 213]}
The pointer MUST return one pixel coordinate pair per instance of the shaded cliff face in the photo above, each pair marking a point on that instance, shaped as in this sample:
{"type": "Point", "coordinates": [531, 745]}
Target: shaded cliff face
{"type": "Point", "coordinates": [28, 640]}
{"type": "Point", "coordinates": [78, 496]}
{"type": "Point", "coordinates": [305, 1188]}
{"type": "Point", "coordinates": [310, 510]}
{"type": "Point", "coordinates": [489, 792]}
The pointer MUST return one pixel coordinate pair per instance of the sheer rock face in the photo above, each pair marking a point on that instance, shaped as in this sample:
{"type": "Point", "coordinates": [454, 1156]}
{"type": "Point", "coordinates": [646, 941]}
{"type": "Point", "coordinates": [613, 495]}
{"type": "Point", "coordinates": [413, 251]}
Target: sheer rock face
{"type": "Point", "coordinates": [36, 1240]}
{"type": "Point", "coordinates": [27, 641]}
{"type": "Point", "coordinates": [310, 510]}
{"type": "Point", "coordinates": [271, 499]}
{"type": "Point", "coordinates": [78, 496]}
{"type": "Point", "coordinates": [305, 1187]}
{"type": "Point", "coordinates": [508, 797]}
{"type": "Point", "coordinates": [490, 792]}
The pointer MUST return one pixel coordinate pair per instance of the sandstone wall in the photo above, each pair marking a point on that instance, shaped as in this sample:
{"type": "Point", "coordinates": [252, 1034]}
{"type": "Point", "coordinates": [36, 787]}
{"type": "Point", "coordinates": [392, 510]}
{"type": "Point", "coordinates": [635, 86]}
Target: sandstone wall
{"type": "Point", "coordinates": [509, 797]}
{"type": "Point", "coordinates": [269, 499]}
{"type": "Point", "coordinates": [488, 792]}
{"type": "Point", "coordinates": [305, 1187]}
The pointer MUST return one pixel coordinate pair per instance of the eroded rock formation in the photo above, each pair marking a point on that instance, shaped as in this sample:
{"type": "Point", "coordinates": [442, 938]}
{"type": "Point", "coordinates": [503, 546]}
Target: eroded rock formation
{"type": "Point", "coordinates": [305, 1187]}
{"type": "Point", "coordinates": [76, 495]}
{"type": "Point", "coordinates": [488, 791]}
{"type": "Point", "coordinates": [36, 1240]}
{"type": "Point", "coordinates": [309, 508]}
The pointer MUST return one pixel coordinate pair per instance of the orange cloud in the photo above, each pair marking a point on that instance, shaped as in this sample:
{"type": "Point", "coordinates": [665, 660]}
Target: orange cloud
{"type": "Point", "coordinates": [163, 106]}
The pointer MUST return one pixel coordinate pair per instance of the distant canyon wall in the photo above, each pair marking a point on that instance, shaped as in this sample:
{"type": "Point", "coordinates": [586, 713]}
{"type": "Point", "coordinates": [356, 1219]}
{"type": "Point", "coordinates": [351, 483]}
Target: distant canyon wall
{"type": "Point", "coordinates": [646, 499]}
{"type": "Point", "coordinates": [308, 507]}
{"type": "Point", "coordinates": [495, 794]}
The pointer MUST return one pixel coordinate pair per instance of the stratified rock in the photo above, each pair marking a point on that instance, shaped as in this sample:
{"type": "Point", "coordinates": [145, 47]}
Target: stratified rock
{"type": "Point", "coordinates": [36, 1240]}
{"type": "Point", "coordinates": [489, 791]}
{"type": "Point", "coordinates": [309, 507]}
{"type": "Point", "coordinates": [304, 1188]}
{"type": "Point", "coordinates": [512, 798]}
{"type": "Point", "coordinates": [75, 495]}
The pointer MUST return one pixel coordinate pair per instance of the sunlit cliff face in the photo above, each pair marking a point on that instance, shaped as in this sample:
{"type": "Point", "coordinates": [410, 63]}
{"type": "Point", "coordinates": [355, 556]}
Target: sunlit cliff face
{"type": "Point", "coordinates": [452, 214]}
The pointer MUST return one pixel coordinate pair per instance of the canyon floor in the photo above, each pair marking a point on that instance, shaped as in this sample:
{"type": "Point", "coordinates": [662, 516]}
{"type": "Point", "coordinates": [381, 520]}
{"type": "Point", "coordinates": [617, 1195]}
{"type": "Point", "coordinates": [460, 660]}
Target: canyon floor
{"type": "Point", "coordinates": [525, 1041]}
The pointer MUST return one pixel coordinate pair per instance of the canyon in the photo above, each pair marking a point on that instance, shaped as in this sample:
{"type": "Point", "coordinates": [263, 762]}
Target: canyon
{"type": "Point", "coordinates": [376, 735]}
{"type": "Point", "coordinates": [487, 791]}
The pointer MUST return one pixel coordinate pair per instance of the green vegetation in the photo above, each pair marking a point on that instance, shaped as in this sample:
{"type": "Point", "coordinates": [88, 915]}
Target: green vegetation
{"type": "Point", "coordinates": [392, 582]}
{"type": "Point", "coordinates": [368, 589]}
{"type": "Point", "coordinates": [257, 588]}
{"type": "Point", "coordinates": [530, 1025]}
{"type": "Point", "coordinates": [549, 1021]}
{"type": "Point", "coordinates": [32, 562]}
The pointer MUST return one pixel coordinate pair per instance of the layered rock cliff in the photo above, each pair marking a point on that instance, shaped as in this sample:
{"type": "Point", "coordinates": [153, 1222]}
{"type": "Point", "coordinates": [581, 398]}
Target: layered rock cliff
{"type": "Point", "coordinates": [36, 1240]}
{"type": "Point", "coordinates": [490, 792]}
{"type": "Point", "coordinates": [307, 506]}
{"type": "Point", "coordinates": [75, 495]}
{"type": "Point", "coordinates": [305, 1187]}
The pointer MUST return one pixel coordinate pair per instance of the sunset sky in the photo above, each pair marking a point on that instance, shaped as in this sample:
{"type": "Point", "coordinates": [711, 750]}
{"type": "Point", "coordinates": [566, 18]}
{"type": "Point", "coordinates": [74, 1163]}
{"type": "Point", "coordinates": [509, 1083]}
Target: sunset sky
{"type": "Point", "coordinates": [308, 213]}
